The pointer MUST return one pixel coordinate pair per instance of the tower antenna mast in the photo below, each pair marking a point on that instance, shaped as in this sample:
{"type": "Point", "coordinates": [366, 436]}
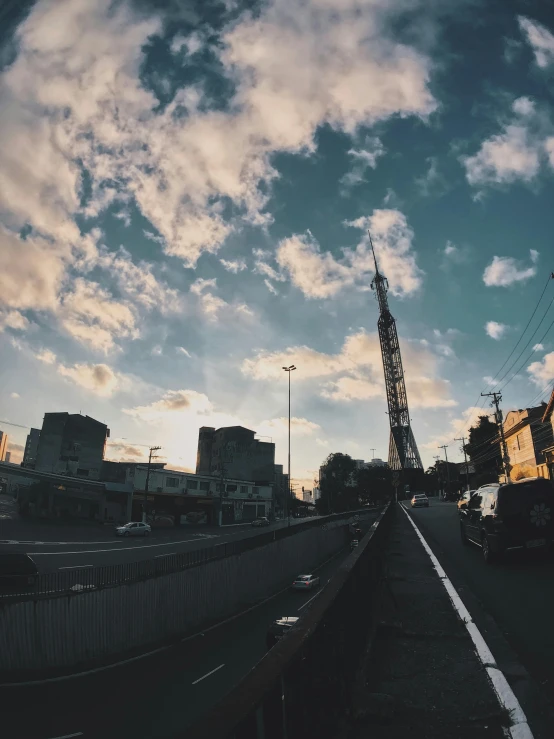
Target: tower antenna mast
{"type": "Point", "coordinates": [403, 451]}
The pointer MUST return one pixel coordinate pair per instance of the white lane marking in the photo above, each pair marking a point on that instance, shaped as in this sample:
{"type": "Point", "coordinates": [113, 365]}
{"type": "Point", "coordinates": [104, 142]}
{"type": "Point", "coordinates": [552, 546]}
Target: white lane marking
{"type": "Point", "coordinates": [520, 726]}
{"type": "Point", "coordinates": [169, 554]}
{"type": "Point", "coordinates": [126, 549]}
{"type": "Point", "coordinates": [308, 601]}
{"type": "Point", "coordinates": [69, 736]}
{"type": "Point", "coordinates": [208, 674]}
{"type": "Point", "coordinates": [74, 567]}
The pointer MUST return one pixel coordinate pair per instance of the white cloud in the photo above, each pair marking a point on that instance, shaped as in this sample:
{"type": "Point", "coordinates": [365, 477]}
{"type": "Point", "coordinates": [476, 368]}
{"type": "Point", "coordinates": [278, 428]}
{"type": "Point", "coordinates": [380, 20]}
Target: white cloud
{"type": "Point", "coordinates": [355, 373]}
{"type": "Point", "coordinates": [138, 282]}
{"type": "Point", "coordinates": [540, 39]}
{"type": "Point", "coordinates": [100, 379]}
{"type": "Point", "coordinates": [272, 289]}
{"type": "Point", "coordinates": [322, 442]}
{"type": "Point", "coordinates": [363, 159]}
{"type": "Point", "coordinates": [517, 152]}
{"type": "Point", "coordinates": [233, 265]}
{"type": "Point", "coordinates": [13, 319]}
{"type": "Point", "coordinates": [432, 182]}
{"type": "Point", "coordinates": [456, 428]}
{"type": "Point", "coordinates": [279, 427]}
{"type": "Point", "coordinates": [495, 330]}
{"type": "Point", "coordinates": [15, 396]}
{"type": "Point", "coordinates": [214, 307]}
{"type": "Point", "coordinates": [506, 271]}
{"type": "Point", "coordinates": [182, 350]}
{"type": "Point", "coordinates": [173, 401]}
{"type": "Point", "coordinates": [542, 372]}
{"type": "Point", "coordinates": [47, 356]}
{"type": "Point", "coordinates": [92, 316]}
{"type": "Point", "coordinates": [538, 348]}
{"type": "Point", "coordinates": [157, 351]}
{"type": "Point", "coordinates": [74, 95]}
{"type": "Point", "coordinates": [317, 274]}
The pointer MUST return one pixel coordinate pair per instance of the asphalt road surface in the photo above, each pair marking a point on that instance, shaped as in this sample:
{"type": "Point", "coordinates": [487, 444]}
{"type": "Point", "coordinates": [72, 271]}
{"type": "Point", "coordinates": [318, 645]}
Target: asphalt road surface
{"type": "Point", "coordinates": [518, 593]}
{"type": "Point", "coordinates": [157, 696]}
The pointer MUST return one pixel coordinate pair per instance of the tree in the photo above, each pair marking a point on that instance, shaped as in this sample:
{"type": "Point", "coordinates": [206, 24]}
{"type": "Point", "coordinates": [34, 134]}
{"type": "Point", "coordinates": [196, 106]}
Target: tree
{"type": "Point", "coordinates": [337, 484]}
{"type": "Point", "coordinates": [374, 484]}
{"type": "Point", "coordinates": [483, 450]}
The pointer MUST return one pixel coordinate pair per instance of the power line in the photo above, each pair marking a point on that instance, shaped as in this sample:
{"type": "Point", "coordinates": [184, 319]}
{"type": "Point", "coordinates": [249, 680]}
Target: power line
{"type": "Point", "coordinates": [528, 357]}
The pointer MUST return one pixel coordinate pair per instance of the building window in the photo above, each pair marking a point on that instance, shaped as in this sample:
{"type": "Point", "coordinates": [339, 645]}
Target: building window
{"type": "Point", "coordinates": [255, 491]}
{"type": "Point", "coordinates": [244, 489]}
{"type": "Point", "coordinates": [82, 473]}
{"type": "Point", "coordinates": [172, 482]}
{"type": "Point", "coordinates": [231, 488]}
{"type": "Point", "coordinates": [204, 485]}
{"type": "Point", "coordinates": [192, 484]}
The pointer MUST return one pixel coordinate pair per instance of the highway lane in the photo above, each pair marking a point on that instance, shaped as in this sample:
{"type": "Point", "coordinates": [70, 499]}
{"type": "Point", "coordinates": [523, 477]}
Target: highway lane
{"type": "Point", "coordinates": [518, 593]}
{"type": "Point", "coordinates": [111, 549]}
{"type": "Point", "coordinates": [158, 695]}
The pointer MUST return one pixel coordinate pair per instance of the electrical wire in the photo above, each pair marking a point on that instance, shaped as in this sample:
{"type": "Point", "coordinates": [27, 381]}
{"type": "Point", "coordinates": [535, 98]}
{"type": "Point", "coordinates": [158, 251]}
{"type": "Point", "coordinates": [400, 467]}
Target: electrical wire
{"type": "Point", "coordinates": [528, 357]}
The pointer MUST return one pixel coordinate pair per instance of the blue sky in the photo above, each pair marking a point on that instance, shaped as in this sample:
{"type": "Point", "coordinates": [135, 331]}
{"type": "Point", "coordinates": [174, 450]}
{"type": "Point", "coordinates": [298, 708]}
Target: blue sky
{"type": "Point", "coordinates": [184, 198]}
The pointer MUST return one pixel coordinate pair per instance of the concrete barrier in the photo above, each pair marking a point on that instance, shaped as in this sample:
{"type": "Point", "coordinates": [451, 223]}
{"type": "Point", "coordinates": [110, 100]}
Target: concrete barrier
{"type": "Point", "coordinates": [73, 631]}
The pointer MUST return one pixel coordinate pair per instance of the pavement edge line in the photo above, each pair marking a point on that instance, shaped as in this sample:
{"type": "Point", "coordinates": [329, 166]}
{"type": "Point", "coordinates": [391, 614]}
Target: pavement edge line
{"type": "Point", "coordinates": [520, 728]}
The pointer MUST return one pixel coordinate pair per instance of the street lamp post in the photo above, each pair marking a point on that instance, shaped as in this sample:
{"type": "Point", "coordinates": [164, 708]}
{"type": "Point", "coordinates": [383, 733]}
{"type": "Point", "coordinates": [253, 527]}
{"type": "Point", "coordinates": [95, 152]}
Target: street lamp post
{"type": "Point", "coordinates": [287, 497]}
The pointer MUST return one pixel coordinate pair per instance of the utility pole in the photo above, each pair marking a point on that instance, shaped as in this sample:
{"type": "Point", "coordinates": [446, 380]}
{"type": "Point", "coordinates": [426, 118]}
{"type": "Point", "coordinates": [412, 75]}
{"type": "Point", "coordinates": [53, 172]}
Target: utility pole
{"type": "Point", "coordinates": [463, 440]}
{"type": "Point", "coordinates": [496, 398]}
{"type": "Point", "coordinates": [439, 476]}
{"type": "Point", "coordinates": [289, 369]}
{"type": "Point", "coordinates": [151, 456]}
{"type": "Point", "coordinates": [373, 455]}
{"type": "Point", "coordinates": [444, 446]}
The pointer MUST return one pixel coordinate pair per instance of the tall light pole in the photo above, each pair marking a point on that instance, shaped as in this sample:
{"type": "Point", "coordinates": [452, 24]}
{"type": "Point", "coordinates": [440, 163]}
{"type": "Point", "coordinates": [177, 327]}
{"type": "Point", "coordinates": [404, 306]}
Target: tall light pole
{"type": "Point", "coordinates": [289, 491]}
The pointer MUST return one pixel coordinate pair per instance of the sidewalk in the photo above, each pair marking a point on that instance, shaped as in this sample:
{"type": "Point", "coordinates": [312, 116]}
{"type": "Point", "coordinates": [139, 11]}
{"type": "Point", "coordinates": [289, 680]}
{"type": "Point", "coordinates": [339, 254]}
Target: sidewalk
{"type": "Point", "coordinates": [423, 677]}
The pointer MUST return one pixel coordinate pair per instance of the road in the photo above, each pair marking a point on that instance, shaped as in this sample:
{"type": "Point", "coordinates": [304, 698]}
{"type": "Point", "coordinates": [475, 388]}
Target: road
{"type": "Point", "coordinates": [58, 547]}
{"type": "Point", "coordinates": [158, 695]}
{"type": "Point", "coordinates": [518, 594]}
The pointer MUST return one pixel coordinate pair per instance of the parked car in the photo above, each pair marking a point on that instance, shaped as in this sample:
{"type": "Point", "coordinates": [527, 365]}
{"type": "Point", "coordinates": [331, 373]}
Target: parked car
{"type": "Point", "coordinates": [278, 629]}
{"type": "Point", "coordinates": [353, 544]}
{"type": "Point", "coordinates": [305, 582]}
{"type": "Point", "coordinates": [501, 518]}
{"type": "Point", "coordinates": [18, 572]}
{"type": "Point", "coordinates": [420, 500]}
{"type": "Point", "coordinates": [464, 498]}
{"type": "Point", "coordinates": [261, 521]}
{"type": "Point", "coordinates": [133, 529]}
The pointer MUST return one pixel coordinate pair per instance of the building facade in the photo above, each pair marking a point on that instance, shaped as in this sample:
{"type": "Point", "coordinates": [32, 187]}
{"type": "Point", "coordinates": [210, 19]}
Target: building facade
{"type": "Point", "coordinates": [234, 452]}
{"type": "Point", "coordinates": [3, 445]}
{"type": "Point", "coordinates": [31, 449]}
{"type": "Point", "coordinates": [527, 436]}
{"type": "Point", "coordinates": [71, 444]}
{"type": "Point", "coordinates": [182, 497]}
{"type": "Point", "coordinates": [548, 451]}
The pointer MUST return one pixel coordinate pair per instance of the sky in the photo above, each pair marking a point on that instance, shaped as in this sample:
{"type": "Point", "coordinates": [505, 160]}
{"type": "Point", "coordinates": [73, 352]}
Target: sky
{"type": "Point", "coordinates": [185, 194]}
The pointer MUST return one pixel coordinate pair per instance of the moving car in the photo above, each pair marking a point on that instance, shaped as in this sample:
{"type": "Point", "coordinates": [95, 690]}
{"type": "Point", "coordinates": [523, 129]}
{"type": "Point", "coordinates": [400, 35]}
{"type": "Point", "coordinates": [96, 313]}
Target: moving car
{"type": "Point", "coordinates": [420, 500]}
{"type": "Point", "coordinates": [18, 572]}
{"type": "Point", "coordinates": [501, 518]}
{"type": "Point", "coordinates": [134, 529]}
{"type": "Point", "coordinates": [353, 544]}
{"type": "Point", "coordinates": [305, 582]}
{"type": "Point", "coordinates": [261, 521]}
{"type": "Point", "coordinates": [278, 629]}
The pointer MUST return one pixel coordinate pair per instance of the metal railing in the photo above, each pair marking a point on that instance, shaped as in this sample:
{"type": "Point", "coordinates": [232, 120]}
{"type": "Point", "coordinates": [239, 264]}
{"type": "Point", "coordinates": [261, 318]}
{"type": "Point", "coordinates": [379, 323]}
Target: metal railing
{"type": "Point", "coordinates": [301, 688]}
{"type": "Point", "coordinates": [53, 584]}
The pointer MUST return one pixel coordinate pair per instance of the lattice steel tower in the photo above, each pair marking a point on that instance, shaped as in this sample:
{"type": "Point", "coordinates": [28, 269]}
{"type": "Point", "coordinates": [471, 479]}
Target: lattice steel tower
{"type": "Point", "coordinates": [403, 453]}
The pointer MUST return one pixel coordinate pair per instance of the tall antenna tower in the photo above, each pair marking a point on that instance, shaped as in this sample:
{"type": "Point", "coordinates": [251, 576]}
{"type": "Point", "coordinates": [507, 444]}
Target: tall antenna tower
{"type": "Point", "coordinates": [403, 452]}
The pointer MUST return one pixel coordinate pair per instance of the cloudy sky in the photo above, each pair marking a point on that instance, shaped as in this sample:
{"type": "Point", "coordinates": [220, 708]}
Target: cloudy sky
{"type": "Point", "coordinates": [185, 190]}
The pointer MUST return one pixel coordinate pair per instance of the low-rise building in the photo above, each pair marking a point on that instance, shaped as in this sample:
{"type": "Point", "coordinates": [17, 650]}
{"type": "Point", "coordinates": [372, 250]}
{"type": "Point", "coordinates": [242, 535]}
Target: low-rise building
{"type": "Point", "coordinates": [527, 435]}
{"type": "Point", "coordinates": [3, 444]}
{"type": "Point", "coordinates": [548, 451]}
{"type": "Point", "coordinates": [185, 497]}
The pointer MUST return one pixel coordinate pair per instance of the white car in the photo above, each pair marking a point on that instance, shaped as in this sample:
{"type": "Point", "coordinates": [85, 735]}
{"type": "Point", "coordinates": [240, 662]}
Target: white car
{"type": "Point", "coordinates": [305, 582]}
{"type": "Point", "coordinates": [420, 501]}
{"type": "Point", "coordinates": [133, 529]}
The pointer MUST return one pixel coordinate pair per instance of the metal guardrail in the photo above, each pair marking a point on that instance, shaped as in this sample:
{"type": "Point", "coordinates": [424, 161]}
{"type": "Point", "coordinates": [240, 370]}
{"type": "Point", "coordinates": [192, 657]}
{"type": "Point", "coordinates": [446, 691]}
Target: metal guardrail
{"type": "Point", "coordinates": [301, 688]}
{"type": "Point", "coordinates": [53, 584]}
